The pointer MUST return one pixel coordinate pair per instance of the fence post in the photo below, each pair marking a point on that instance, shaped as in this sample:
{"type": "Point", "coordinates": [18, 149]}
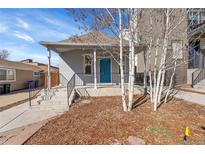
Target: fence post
{"type": "Point", "coordinates": [192, 80]}
{"type": "Point", "coordinates": [74, 79]}
{"type": "Point", "coordinates": [67, 95]}
{"type": "Point", "coordinates": [29, 93]}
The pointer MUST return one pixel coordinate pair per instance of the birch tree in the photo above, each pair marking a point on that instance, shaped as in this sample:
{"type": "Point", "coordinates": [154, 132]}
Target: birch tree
{"type": "Point", "coordinates": [121, 64]}
{"type": "Point", "coordinates": [133, 39]}
{"type": "Point", "coordinates": [115, 21]}
{"type": "Point", "coordinates": [167, 61]}
{"type": "Point", "coordinates": [155, 32]}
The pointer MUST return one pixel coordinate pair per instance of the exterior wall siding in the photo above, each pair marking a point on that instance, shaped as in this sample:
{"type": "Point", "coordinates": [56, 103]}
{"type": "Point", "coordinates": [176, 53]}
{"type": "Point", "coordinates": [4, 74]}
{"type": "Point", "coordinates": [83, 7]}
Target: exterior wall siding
{"type": "Point", "coordinates": [22, 76]}
{"type": "Point", "coordinates": [72, 62]}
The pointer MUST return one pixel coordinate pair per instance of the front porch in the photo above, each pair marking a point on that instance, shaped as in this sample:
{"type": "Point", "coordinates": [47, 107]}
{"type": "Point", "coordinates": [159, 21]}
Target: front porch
{"type": "Point", "coordinates": [104, 90]}
{"type": "Point", "coordinates": [93, 58]}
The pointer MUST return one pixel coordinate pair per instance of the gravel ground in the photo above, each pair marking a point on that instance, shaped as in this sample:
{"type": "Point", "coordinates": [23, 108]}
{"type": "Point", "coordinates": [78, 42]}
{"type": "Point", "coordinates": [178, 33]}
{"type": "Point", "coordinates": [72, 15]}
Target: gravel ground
{"type": "Point", "coordinates": [101, 120]}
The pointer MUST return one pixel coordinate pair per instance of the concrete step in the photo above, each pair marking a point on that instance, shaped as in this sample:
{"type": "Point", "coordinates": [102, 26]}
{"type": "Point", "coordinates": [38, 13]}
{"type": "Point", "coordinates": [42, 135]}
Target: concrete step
{"type": "Point", "coordinates": [59, 101]}
{"type": "Point", "coordinates": [201, 83]}
{"type": "Point", "coordinates": [56, 96]}
{"type": "Point", "coordinates": [63, 107]}
{"type": "Point", "coordinates": [192, 90]}
{"type": "Point", "coordinates": [61, 90]}
{"type": "Point", "coordinates": [54, 102]}
{"type": "Point", "coordinates": [198, 86]}
{"type": "Point", "coordinates": [59, 97]}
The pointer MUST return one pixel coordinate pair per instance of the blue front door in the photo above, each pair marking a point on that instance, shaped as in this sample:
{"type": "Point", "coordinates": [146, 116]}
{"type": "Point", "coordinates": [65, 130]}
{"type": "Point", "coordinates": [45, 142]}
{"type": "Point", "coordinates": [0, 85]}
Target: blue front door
{"type": "Point", "coordinates": [105, 74]}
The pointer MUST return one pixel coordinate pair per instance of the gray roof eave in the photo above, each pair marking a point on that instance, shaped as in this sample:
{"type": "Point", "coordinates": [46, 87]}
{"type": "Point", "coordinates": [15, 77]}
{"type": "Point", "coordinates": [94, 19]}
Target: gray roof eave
{"type": "Point", "coordinates": [60, 44]}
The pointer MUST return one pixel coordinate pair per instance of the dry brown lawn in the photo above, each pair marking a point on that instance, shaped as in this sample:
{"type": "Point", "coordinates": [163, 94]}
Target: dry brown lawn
{"type": "Point", "coordinates": [102, 121]}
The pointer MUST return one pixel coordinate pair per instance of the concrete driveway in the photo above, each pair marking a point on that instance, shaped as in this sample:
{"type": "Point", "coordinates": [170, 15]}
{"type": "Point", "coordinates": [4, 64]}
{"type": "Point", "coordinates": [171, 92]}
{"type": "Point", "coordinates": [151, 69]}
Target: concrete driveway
{"type": "Point", "coordinates": [14, 97]}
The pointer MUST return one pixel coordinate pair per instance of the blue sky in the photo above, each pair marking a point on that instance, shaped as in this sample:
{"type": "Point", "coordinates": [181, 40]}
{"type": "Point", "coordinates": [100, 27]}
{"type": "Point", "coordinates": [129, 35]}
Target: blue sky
{"type": "Point", "coordinates": [22, 29]}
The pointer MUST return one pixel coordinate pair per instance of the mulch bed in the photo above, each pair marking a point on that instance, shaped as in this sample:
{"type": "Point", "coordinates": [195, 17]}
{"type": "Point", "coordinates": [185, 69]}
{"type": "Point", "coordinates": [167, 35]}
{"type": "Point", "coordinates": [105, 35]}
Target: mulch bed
{"type": "Point", "coordinates": [101, 121]}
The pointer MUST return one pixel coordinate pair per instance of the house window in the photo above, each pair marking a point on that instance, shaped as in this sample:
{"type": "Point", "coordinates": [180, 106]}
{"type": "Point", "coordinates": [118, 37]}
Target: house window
{"type": "Point", "coordinates": [177, 49]}
{"type": "Point", "coordinates": [87, 64]}
{"type": "Point", "coordinates": [36, 74]}
{"type": "Point", "coordinates": [2, 75]}
{"type": "Point", "coordinates": [10, 74]}
{"type": "Point", "coordinates": [7, 75]}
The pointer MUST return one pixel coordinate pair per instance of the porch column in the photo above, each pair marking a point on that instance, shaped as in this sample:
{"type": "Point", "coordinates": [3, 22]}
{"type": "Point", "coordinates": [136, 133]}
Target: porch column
{"type": "Point", "coordinates": [95, 70]}
{"type": "Point", "coordinates": [49, 69]}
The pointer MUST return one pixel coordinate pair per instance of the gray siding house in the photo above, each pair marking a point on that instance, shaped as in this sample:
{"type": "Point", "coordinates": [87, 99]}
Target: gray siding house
{"type": "Point", "coordinates": [94, 58]}
{"type": "Point", "coordinates": [87, 56]}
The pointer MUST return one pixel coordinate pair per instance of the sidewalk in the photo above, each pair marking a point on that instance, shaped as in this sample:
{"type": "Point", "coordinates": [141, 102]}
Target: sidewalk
{"type": "Point", "coordinates": [191, 97]}
{"type": "Point", "coordinates": [19, 136]}
{"type": "Point", "coordinates": [23, 115]}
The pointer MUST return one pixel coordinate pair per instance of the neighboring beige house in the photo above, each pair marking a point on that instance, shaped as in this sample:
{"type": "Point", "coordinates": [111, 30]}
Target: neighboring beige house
{"type": "Point", "coordinates": [44, 72]}
{"type": "Point", "coordinates": [15, 75]}
{"type": "Point", "coordinates": [44, 67]}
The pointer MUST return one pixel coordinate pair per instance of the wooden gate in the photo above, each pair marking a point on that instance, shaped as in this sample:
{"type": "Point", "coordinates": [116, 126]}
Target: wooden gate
{"type": "Point", "coordinates": [54, 79]}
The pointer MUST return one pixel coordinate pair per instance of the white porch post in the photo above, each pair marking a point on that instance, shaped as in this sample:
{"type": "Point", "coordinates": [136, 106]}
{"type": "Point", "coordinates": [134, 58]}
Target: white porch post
{"type": "Point", "coordinates": [49, 70]}
{"type": "Point", "coordinates": [95, 70]}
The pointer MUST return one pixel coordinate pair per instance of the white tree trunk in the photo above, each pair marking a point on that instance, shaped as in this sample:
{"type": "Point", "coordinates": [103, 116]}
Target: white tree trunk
{"type": "Point", "coordinates": [161, 73]}
{"type": "Point", "coordinates": [124, 105]}
{"type": "Point", "coordinates": [150, 71]}
{"type": "Point", "coordinates": [95, 70]}
{"type": "Point", "coordinates": [132, 77]}
{"type": "Point", "coordinates": [155, 72]}
{"type": "Point", "coordinates": [171, 81]}
{"type": "Point", "coordinates": [132, 36]}
{"type": "Point", "coordinates": [145, 72]}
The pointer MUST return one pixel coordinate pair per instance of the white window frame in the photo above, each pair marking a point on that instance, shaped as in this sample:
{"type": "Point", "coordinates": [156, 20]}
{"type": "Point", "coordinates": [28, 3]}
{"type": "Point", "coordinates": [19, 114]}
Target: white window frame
{"type": "Point", "coordinates": [181, 50]}
{"type": "Point", "coordinates": [87, 64]}
{"type": "Point", "coordinates": [8, 69]}
{"type": "Point", "coordinates": [35, 74]}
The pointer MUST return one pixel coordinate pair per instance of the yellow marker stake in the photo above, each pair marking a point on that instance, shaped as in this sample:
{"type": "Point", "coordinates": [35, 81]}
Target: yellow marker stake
{"type": "Point", "coordinates": [187, 131]}
{"type": "Point", "coordinates": [186, 134]}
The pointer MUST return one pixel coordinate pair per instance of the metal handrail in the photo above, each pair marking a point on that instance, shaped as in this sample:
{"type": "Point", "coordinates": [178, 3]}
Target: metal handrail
{"type": "Point", "coordinates": [197, 76]}
{"type": "Point", "coordinates": [32, 93]}
{"type": "Point", "coordinates": [70, 85]}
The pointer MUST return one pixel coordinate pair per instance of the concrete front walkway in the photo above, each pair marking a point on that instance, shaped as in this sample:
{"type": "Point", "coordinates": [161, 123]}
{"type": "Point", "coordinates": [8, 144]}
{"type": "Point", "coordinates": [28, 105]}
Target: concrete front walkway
{"type": "Point", "coordinates": [113, 90]}
{"type": "Point", "coordinates": [191, 97]}
{"type": "Point", "coordinates": [23, 115]}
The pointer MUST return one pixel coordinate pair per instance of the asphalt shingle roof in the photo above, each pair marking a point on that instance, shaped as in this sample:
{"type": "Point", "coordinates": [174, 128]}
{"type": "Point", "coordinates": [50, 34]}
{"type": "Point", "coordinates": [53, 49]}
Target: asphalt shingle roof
{"type": "Point", "coordinates": [18, 65]}
{"type": "Point", "coordinates": [95, 37]}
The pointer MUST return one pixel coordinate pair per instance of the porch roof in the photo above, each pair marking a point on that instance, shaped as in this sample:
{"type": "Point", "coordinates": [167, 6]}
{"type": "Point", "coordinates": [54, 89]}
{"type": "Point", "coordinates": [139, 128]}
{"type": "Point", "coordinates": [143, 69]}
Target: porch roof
{"type": "Point", "coordinates": [91, 40]}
